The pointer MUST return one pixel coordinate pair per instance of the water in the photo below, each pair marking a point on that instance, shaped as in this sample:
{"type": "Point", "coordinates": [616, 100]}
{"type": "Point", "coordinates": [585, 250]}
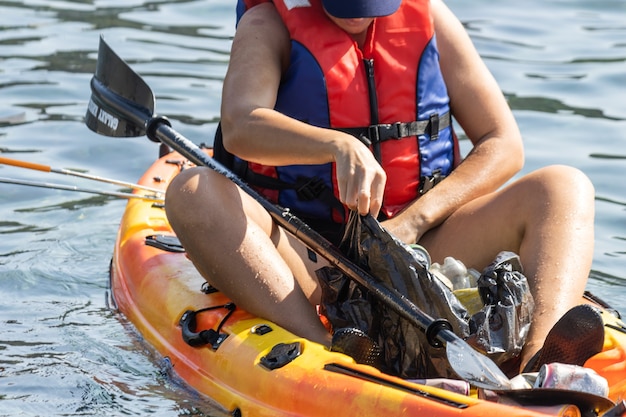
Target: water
{"type": "Point", "coordinates": [561, 64]}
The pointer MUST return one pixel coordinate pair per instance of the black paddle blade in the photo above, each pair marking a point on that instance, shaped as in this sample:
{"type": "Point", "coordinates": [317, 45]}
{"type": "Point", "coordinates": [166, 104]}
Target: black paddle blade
{"type": "Point", "coordinates": [121, 102]}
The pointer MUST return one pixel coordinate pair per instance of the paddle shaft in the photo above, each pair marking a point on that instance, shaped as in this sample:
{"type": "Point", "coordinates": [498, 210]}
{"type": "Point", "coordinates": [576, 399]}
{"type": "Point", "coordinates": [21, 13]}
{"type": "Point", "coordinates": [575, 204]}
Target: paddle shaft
{"type": "Point", "coordinates": [466, 362]}
{"type": "Point", "coordinates": [159, 130]}
{"type": "Point", "coordinates": [46, 168]}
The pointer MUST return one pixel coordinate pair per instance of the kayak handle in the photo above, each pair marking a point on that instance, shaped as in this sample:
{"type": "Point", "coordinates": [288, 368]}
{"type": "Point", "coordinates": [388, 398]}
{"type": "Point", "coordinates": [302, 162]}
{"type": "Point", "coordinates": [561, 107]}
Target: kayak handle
{"type": "Point", "coordinates": [211, 337]}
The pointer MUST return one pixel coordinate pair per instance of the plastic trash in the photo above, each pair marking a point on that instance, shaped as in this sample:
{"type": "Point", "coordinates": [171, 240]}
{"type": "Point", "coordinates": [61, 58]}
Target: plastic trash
{"type": "Point", "coordinates": [405, 350]}
{"type": "Point", "coordinates": [573, 378]}
{"type": "Point", "coordinates": [500, 328]}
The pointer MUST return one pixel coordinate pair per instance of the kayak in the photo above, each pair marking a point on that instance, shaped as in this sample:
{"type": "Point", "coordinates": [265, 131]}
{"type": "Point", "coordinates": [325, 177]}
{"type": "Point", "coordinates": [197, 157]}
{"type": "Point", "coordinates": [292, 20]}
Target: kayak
{"type": "Point", "coordinates": [253, 367]}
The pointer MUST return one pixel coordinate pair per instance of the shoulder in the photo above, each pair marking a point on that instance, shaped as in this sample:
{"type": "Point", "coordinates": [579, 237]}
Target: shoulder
{"type": "Point", "coordinates": [452, 38]}
{"type": "Point", "coordinates": [251, 3]}
{"type": "Point", "coordinates": [261, 31]}
{"type": "Point", "coordinates": [246, 7]}
{"type": "Point", "coordinates": [442, 15]}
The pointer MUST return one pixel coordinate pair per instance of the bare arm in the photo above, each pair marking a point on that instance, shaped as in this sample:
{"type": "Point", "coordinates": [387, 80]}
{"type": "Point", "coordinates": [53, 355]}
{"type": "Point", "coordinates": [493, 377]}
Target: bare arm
{"type": "Point", "coordinates": [255, 132]}
{"type": "Point", "coordinates": [480, 108]}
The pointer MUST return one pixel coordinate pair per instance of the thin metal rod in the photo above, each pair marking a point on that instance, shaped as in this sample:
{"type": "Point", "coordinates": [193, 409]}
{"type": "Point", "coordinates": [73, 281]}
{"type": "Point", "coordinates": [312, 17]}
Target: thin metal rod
{"type": "Point", "coordinates": [46, 168]}
{"type": "Point", "coordinates": [78, 189]}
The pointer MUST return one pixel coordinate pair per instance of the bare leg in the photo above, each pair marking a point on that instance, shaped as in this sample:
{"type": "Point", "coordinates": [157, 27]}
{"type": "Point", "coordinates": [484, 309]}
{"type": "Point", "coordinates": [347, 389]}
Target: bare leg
{"type": "Point", "coordinates": [547, 218]}
{"type": "Point", "coordinates": [236, 246]}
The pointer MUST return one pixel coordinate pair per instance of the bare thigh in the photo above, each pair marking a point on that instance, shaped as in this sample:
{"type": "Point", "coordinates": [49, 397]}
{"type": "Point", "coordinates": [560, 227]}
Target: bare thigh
{"type": "Point", "coordinates": [479, 230]}
{"type": "Point", "coordinates": [546, 214]}
{"type": "Point", "coordinates": [300, 259]}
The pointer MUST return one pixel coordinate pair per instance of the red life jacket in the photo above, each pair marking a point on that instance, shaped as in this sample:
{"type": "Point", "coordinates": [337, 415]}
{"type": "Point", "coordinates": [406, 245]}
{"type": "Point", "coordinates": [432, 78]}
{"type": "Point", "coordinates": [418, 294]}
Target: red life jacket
{"type": "Point", "coordinates": [391, 95]}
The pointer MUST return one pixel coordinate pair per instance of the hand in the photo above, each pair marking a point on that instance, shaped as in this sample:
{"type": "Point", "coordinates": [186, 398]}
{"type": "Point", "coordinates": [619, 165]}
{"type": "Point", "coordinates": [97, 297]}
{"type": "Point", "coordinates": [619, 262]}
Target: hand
{"type": "Point", "coordinates": [404, 229]}
{"type": "Point", "coordinates": [360, 178]}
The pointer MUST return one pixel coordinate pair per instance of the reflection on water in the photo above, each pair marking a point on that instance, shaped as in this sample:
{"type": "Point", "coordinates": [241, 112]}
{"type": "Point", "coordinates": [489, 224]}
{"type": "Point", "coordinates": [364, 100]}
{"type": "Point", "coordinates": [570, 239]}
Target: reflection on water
{"type": "Point", "coordinates": [546, 105]}
{"type": "Point", "coordinates": [15, 227]}
{"type": "Point", "coordinates": [95, 201]}
{"type": "Point", "coordinates": [62, 351]}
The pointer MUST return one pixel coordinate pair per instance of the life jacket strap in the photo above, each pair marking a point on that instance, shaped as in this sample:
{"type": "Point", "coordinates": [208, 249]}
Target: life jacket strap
{"type": "Point", "coordinates": [381, 132]}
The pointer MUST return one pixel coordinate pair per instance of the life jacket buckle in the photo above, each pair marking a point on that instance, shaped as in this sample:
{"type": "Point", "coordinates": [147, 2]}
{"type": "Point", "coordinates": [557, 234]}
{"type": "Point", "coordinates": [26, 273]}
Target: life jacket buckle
{"type": "Point", "coordinates": [383, 132]}
{"type": "Point", "coordinates": [428, 182]}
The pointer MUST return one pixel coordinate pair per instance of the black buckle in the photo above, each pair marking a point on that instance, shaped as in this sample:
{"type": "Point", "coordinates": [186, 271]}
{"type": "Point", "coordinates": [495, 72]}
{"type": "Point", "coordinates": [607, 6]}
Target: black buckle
{"type": "Point", "coordinates": [434, 126]}
{"type": "Point", "coordinates": [379, 133]}
{"type": "Point", "coordinates": [428, 182]}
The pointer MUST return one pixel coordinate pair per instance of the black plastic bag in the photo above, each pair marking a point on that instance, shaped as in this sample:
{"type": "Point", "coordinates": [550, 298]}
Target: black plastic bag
{"type": "Point", "coordinates": [501, 327]}
{"type": "Point", "coordinates": [405, 349]}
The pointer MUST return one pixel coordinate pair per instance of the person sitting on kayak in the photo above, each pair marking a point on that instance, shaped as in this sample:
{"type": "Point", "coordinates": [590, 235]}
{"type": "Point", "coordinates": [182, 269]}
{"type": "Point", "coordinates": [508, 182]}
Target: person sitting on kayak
{"type": "Point", "coordinates": [351, 101]}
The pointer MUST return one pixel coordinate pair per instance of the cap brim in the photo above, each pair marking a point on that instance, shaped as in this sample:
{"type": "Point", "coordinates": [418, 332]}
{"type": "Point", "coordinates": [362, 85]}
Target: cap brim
{"type": "Point", "coordinates": [353, 9]}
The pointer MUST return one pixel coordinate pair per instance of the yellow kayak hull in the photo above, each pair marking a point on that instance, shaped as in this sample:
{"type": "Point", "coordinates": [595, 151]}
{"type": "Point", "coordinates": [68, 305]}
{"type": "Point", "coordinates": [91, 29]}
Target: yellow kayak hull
{"type": "Point", "coordinates": [153, 288]}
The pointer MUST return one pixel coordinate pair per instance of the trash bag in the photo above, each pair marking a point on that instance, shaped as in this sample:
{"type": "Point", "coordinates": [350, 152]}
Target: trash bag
{"type": "Point", "coordinates": [406, 352]}
{"type": "Point", "coordinates": [501, 327]}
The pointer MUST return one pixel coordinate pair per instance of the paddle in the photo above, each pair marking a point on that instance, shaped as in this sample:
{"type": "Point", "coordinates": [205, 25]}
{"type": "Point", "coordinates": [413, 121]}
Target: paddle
{"type": "Point", "coordinates": [122, 105]}
{"type": "Point", "coordinates": [46, 168]}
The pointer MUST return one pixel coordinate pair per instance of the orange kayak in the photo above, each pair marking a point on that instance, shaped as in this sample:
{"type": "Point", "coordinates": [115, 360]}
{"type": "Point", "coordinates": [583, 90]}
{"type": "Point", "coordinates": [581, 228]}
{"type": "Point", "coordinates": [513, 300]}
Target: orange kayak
{"type": "Point", "coordinates": [252, 367]}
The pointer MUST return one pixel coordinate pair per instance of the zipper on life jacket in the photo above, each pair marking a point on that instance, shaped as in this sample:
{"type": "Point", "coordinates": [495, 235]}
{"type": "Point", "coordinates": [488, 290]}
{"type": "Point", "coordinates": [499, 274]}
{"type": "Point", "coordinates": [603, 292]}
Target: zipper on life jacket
{"type": "Point", "coordinates": [373, 97]}
{"type": "Point", "coordinates": [426, 183]}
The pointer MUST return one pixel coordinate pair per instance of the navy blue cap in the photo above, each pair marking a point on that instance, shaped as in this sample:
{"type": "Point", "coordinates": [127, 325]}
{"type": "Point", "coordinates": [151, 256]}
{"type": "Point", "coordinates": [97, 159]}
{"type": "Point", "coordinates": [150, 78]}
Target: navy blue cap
{"type": "Point", "coordinates": [351, 9]}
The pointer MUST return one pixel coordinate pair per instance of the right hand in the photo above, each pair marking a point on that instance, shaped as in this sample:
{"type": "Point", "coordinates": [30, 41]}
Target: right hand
{"type": "Point", "coordinates": [360, 178]}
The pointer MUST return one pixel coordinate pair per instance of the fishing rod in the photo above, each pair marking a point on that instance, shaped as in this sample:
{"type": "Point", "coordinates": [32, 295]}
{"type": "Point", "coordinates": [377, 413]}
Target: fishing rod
{"type": "Point", "coordinates": [46, 168]}
{"type": "Point", "coordinates": [79, 189]}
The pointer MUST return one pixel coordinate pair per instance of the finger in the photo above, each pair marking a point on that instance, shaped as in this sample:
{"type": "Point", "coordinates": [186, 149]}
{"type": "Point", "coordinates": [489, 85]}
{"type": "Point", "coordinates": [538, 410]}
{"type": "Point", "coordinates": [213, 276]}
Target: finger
{"type": "Point", "coordinates": [363, 201]}
{"type": "Point", "coordinates": [352, 191]}
{"type": "Point", "coordinates": [378, 192]}
{"type": "Point", "coordinates": [352, 194]}
{"type": "Point", "coordinates": [341, 190]}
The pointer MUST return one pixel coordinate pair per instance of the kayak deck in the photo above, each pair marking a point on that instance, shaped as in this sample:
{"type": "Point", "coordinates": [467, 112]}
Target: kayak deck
{"type": "Point", "coordinates": [253, 367]}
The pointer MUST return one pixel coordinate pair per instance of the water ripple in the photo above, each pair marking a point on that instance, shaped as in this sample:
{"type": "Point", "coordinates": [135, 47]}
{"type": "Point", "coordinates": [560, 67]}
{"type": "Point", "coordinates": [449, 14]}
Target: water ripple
{"type": "Point", "coordinates": [62, 351]}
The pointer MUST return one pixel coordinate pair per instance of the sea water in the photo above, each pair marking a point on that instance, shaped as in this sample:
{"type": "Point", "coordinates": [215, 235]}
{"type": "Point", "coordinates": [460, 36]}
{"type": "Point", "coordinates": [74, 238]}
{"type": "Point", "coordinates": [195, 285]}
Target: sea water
{"type": "Point", "coordinates": [63, 351]}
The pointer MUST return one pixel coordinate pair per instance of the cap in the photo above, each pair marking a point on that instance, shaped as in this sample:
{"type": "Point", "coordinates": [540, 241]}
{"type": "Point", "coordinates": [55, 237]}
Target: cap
{"type": "Point", "coordinates": [351, 9]}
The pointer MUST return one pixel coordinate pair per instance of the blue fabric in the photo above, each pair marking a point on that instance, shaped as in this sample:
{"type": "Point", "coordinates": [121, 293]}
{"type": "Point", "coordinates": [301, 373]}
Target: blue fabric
{"type": "Point", "coordinates": [432, 96]}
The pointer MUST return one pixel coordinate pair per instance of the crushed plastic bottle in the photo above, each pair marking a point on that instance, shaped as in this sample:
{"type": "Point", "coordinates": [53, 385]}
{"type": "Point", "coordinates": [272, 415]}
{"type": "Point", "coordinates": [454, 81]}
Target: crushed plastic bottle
{"type": "Point", "coordinates": [461, 280]}
{"type": "Point", "coordinates": [454, 273]}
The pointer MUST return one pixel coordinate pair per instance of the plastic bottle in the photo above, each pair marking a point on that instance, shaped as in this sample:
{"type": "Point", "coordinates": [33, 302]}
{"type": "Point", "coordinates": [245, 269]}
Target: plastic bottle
{"type": "Point", "coordinates": [456, 273]}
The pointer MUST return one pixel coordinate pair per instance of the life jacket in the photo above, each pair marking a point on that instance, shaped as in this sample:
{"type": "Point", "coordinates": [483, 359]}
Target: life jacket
{"type": "Point", "coordinates": [390, 95]}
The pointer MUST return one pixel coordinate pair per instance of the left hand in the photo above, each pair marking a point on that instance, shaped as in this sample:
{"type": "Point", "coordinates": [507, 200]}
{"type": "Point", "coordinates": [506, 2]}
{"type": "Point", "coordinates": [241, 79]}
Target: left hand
{"type": "Point", "coordinates": [404, 229]}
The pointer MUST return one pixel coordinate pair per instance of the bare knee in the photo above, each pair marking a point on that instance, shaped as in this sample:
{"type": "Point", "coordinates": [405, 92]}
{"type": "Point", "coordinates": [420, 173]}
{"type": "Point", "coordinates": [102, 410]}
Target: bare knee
{"type": "Point", "coordinates": [200, 198]}
{"type": "Point", "coordinates": [189, 195]}
{"type": "Point", "coordinates": [182, 188]}
{"type": "Point", "coordinates": [563, 186]}
{"type": "Point", "coordinates": [565, 175]}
